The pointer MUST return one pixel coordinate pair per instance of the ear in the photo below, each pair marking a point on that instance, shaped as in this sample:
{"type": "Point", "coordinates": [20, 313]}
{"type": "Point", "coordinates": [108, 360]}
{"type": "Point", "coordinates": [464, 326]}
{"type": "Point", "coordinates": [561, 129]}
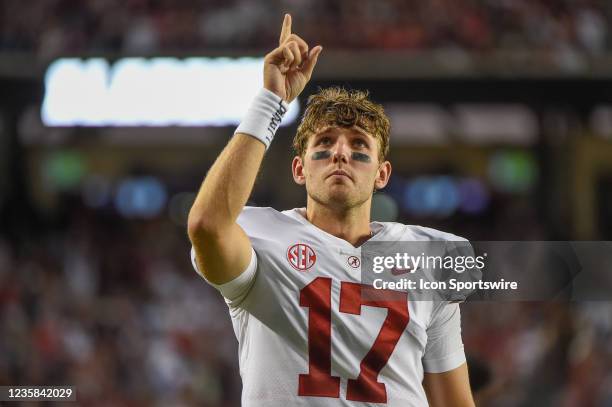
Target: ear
{"type": "Point", "coordinates": [297, 168]}
{"type": "Point", "coordinates": [383, 175]}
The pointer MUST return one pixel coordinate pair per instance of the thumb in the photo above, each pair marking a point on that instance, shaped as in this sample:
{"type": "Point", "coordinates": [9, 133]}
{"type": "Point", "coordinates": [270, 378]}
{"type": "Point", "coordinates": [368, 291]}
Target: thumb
{"type": "Point", "coordinates": [309, 64]}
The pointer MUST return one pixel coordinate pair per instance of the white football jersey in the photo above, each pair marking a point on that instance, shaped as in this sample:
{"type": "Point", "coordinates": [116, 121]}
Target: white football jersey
{"type": "Point", "coordinates": [306, 335]}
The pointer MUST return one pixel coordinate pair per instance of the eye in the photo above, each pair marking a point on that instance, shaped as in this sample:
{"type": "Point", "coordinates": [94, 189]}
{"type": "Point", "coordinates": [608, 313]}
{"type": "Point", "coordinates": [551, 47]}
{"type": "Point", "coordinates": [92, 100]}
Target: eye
{"type": "Point", "coordinates": [324, 141]}
{"type": "Point", "coordinates": [360, 143]}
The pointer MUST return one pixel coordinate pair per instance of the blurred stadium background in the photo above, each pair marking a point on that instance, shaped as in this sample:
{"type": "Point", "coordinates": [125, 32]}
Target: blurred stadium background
{"type": "Point", "coordinates": [501, 116]}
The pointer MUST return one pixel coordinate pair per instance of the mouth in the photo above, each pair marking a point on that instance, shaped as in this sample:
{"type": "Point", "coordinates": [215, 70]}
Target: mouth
{"type": "Point", "coordinates": [340, 173]}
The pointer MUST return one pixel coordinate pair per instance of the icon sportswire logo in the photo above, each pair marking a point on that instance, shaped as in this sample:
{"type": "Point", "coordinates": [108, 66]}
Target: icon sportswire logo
{"type": "Point", "coordinates": [301, 256]}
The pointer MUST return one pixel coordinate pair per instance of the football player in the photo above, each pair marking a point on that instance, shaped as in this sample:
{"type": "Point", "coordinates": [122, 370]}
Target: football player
{"type": "Point", "coordinates": [292, 279]}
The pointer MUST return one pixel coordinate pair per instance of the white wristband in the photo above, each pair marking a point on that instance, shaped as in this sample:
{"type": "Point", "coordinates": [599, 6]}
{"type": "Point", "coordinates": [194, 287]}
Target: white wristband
{"type": "Point", "coordinates": [264, 116]}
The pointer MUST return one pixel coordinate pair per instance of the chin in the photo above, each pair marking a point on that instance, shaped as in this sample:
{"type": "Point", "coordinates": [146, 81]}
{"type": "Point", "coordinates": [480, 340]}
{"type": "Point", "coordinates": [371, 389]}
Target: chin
{"type": "Point", "coordinates": [339, 191]}
{"type": "Point", "coordinates": [342, 198]}
{"type": "Point", "coordinates": [339, 195]}
{"type": "Point", "coordinates": [338, 198]}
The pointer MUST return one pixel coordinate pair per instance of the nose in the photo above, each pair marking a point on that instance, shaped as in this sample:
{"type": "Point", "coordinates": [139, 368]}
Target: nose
{"type": "Point", "coordinates": [341, 151]}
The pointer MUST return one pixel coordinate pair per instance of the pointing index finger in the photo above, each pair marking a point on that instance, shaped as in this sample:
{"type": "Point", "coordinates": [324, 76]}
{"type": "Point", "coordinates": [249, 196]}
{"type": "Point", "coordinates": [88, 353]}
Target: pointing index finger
{"type": "Point", "coordinates": [286, 30]}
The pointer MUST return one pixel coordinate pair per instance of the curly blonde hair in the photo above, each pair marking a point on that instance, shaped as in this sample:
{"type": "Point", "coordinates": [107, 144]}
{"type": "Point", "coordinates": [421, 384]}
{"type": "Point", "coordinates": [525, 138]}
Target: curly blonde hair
{"type": "Point", "coordinates": [345, 108]}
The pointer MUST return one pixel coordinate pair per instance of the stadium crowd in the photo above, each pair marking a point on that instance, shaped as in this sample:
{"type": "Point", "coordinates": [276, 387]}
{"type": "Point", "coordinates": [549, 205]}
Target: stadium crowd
{"type": "Point", "coordinates": [114, 308]}
{"type": "Point", "coordinates": [69, 27]}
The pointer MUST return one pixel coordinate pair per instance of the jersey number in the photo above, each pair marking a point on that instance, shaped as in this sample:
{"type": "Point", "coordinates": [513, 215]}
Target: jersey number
{"type": "Point", "coordinates": [316, 296]}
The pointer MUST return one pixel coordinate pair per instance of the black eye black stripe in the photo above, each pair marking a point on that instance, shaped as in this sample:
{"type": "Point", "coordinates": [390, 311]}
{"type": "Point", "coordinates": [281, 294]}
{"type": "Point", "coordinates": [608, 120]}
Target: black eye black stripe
{"type": "Point", "coordinates": [321, 155]}
{"type": "Point", "coordinates": [360, 157]}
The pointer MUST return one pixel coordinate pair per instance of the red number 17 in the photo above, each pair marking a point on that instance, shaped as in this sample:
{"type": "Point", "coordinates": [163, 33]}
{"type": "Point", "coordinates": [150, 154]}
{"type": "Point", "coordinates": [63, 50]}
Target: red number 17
{"type": "Point", "coordinates": [319, 382]}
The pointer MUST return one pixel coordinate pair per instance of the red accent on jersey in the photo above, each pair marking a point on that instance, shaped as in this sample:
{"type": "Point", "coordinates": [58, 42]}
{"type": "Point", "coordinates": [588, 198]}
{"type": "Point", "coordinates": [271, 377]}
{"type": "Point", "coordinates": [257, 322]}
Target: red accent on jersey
{"type": "Point", "coordinates": [353, 296]}
{"type": "Point", "coordinates": [319, 381]}
{"type": "Point", "coordinates": [301, 256]}
{"type": "Point", "coordinates": [316, 296]}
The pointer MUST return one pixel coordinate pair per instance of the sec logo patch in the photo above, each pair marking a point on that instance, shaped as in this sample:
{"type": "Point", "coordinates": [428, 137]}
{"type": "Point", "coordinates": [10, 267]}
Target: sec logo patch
{"type": "Point", "coordinates": [301, 256]}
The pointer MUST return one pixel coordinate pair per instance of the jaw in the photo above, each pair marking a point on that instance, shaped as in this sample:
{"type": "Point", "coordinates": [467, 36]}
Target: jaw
{"type": "Point", "coordinates": [338, 196]}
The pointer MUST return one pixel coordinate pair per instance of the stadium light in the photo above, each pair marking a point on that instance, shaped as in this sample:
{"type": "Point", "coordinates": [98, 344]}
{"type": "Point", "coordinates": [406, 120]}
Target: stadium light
{"type": "Point", "coordinates": [196, 91]}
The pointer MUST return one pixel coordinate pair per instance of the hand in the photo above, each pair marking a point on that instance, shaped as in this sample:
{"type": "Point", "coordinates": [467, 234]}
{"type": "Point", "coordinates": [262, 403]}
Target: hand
{"type": "Point", "coordinates": [287, 69]}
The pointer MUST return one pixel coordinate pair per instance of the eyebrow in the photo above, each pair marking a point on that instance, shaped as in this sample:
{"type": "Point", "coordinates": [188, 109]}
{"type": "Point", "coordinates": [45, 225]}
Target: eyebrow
{"type": "Point", "coordinates": [369, 139]}
{"type": "Point", "coordinates": [355, 133]}
{"type": "Point", "coordinates": [322, 133]}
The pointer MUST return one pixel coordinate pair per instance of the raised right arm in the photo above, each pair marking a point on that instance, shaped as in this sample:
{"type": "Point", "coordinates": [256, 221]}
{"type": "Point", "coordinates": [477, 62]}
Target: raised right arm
{"type": "Point", "coordinates": [222, 249]}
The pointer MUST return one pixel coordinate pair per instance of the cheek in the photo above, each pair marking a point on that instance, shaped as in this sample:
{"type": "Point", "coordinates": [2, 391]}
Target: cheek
{"type": "Point", "coordinates": [370, 178]}
{"type": "Point", "coordinates": [310, 170]}
{"type": "Point", "coordinates": [313, 163]}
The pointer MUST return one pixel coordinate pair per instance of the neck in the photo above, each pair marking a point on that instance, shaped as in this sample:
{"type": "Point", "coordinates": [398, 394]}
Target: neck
{"type": "Point", "coordinates": [350, 224]}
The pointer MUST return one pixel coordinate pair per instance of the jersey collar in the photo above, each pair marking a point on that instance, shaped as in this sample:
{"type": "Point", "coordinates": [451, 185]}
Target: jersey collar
{"type": "Point", "coordinates": [378, 229]}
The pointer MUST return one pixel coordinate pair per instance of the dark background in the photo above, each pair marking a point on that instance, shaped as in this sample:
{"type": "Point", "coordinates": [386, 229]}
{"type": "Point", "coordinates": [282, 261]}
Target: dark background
{"type": "Point", "coordinates": [105, 299]}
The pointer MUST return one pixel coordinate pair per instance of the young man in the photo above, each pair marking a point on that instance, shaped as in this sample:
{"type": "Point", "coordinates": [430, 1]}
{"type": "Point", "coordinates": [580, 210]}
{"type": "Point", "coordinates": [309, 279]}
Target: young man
{"type": "Point", "coordinates": [291, 279]}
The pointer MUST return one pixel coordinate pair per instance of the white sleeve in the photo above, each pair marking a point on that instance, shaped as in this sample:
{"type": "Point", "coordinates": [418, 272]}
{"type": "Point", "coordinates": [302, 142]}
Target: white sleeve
{"type": "Point", "coordinates": [444, 349]}
{"type": "Point", "coordinates": [237, 289]}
